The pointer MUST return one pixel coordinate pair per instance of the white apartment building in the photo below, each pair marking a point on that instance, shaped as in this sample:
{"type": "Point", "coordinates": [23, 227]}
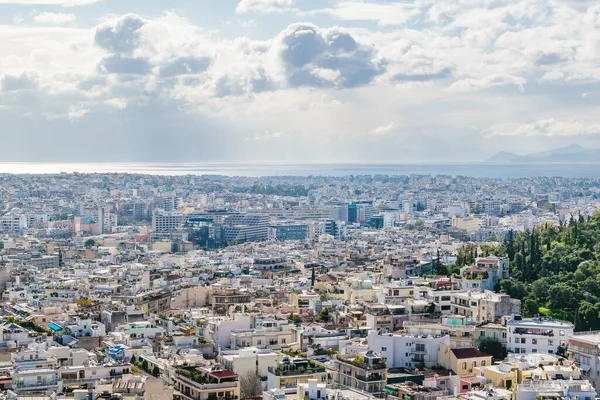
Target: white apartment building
{"type": "Point", "coordinates": [537, 335]}
{"type": "Point", "coordinates": [485, 274]}
{"type": "Point", "coordinates": [37, 380]}
{"type": "Point", "coordinates": [483, 305]}
{"type": "Point", "coordinates": [559, 389]}
{"type": "Point", "coordinates": [250, 360]}
{"type": "Point", "coordinates": [167, 221]}
{"type": "Point", "coordinates": [584, 348]}
{"type": "Point", "coordinates": [271, 337]}
{"type": "Point", "coordinates": [13, 221]}
{"type": "Point", "coordinates": [405, 350]}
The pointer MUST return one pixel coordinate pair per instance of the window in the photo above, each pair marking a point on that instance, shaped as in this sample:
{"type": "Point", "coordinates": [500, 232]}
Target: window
{"type": "Point", "coordinates": [561, 333]}
{"type": "Point", "coordinates": [259, 342]}
{"type": "Point", "coordinates": [504, 335]}
{"type": "Point", "coordinates": [550, 342]}
{"type": "Point", "coordinates": [474, 363]}
{"type": "Point", "coordinates": [283, 340]}
{"type": "Point", "coordinates": [384, 349]}
{"type": "Point", "coordinates": [534, 350]}
{"type": "Point", "coordinates": [562, 343]}
{"type": "Point", "coordinates": [533, 341]}
{"type": "Point", "coordinates": [481, 334]}
{"type": "Point", "coordinates": [483, 363]}
{"type": "Point", "coordinates": [464, 365]}
{"type": "Point", "coordinates": [550, 351]}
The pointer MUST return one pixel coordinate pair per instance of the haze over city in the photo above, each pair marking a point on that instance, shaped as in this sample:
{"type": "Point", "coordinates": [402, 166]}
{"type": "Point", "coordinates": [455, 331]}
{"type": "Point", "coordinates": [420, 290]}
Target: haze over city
{"type": "Point", "coordinates": [296, 80]}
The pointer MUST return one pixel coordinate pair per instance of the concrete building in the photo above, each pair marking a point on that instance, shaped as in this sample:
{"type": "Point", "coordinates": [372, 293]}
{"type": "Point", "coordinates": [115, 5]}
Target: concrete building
{"type": "Point", "coordinates": [407, 351]}
{"type": "Point", "coordinates": [463, 362]}
{"type": "Point", "coordinates": [292, 371]}
{"type": "Point", "coordinates": [207, 383]}
{"type": "Point", "coordinates": [167, 221]}
{"type": "Point", "coordinates": [483, 305]}
{"type": "Point", "coordinates": [250, 360]}
{"type": "Point", "coordinates": [365, 372]}
{"type": "Point", "coordinates": [537, 335]}
{"type": "Point", "coordinates": [584, 349]}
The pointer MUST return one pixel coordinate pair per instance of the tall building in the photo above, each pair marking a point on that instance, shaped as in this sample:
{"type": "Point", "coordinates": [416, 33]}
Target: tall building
{"type": "Point", "coordinates": [246, 228]}
{"type": "Point", "coordinates": [352, 213]}
{"type": "Point", "coordinates": [167, 221]}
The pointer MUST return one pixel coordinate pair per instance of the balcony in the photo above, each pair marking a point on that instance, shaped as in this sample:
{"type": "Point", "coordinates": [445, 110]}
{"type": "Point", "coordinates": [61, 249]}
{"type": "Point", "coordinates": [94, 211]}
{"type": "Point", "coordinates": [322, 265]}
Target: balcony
{"type": "Point", "coordinates": [418, 350]}
{"type": "Point", "coordinates": [371, 378]}
{"type": "Point", "coordinates": [37, 386]}
{"type": "Point", "coordinates": [207, 386]}
{"type": "Point", "coordinates": [296, 371]}
{"type": "Point", "coordinates": [361, 363]}
{"type": "Point", "coordinates": [533, 331]}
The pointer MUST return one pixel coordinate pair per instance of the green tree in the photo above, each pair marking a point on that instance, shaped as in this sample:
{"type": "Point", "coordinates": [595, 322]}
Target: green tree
{"type": "Point", "coordinates": [145, 365]}
{"type": "Point", "coordinates": [132, 360]}
{"type": "Point", "coordinates": [312, 277]}
{"type": "Point", "coordinates": [530, 307]}
{"type": "Point", "coordinates": [494, 347]}
{"type": "Point", "coordinates": [514, 289]}
{"type": "Point", "coordinates": [323, 315]}
{"type": "Point", "coordinates": [90, 243]}
{"type": "Point", "coordinates": [155, 371]}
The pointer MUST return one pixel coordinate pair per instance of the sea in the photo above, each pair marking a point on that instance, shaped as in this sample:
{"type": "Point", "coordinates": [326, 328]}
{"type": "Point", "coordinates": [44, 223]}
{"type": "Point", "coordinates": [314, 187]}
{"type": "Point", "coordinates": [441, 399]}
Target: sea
{"type": "Point", "coordinates": [478, 170]}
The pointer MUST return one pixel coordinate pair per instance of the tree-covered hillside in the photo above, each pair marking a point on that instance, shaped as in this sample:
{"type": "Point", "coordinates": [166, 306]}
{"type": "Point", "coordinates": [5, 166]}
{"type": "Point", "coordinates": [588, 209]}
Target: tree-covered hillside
{"type": "Point", "coordinates": [555, 271]}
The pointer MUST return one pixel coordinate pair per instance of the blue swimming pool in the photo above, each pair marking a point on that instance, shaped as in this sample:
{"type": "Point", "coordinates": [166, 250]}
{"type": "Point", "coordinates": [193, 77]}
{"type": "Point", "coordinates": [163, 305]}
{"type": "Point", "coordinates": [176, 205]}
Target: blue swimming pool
{"type": "Point", "coordinates": [54, 327]}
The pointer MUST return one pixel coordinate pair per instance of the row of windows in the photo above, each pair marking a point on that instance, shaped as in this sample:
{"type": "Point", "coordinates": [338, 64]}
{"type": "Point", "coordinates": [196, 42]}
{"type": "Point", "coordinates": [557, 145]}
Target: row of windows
{"type": "Point", "coordinates": [535, 341]}
{"type": "Point", "coordinates": [464, 364]}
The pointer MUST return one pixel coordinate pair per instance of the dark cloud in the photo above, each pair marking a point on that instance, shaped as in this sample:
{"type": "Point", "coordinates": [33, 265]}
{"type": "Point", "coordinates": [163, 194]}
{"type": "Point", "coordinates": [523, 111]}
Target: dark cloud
{"type": "Point", "coordinates": [341, 41]}
{"type": "Point", "coordinates": [261, 82]}
{"type": "Point", "coordinates": [13, 83]}
{"type": "Point", "coordinates": [308, 48]}
{"type": "Point", "coordinates": [117, 64]}
{"type": "Point", "coordinates": [303, 45]}
{"type": "Point", "coordinates": [121, 35]}
{"type": "Point", "coordinates": [184, 66]}
{"type": "Point", "coordinates": [90, 83]}
{"type": "Point", "coordinates": [549, 59]}
{"type": "Point", "coordinates": [423, 77]}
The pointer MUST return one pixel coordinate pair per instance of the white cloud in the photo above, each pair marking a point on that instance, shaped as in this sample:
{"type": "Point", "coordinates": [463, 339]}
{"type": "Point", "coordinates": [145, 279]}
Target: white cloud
{"type": "Point", "coordinates": [436, 71]}
{"type": "Point", "coordinates": [546, 127]}
{"type": "Point", "coordinates": [264, 6]}
{"type": "Point", "coordinates": [54, 18]}
{"type": "Point", "coordinates": [382, 130]}
{"type": "Point", "coordinates": [489, 81]}
{"type": "Point", "coordinates": [267, 136]}
{"type": "Point", "coordinates": [384, 14]}
{"type": "Point", "coordinates": [18, 18]}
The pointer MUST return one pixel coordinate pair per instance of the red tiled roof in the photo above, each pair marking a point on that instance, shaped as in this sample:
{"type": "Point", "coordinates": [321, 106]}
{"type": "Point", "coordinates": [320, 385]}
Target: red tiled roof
{"type": "Point", "coordinates": [223, 374]}
{"type": "Point", "coordinates": [469, 352]}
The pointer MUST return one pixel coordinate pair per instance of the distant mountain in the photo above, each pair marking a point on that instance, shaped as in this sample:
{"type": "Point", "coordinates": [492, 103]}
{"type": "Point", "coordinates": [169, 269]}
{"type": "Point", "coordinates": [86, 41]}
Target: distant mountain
{"type": "Point", "coordinates": [572, 153]}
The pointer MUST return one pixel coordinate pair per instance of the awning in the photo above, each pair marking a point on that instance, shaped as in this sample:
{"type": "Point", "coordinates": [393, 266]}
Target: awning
{"type": "Point", "coordinates": [584, 367]}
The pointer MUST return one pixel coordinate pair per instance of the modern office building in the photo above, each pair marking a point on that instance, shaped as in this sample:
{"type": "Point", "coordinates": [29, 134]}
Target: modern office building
{"type": "Point", "coordinates": [246, 228]}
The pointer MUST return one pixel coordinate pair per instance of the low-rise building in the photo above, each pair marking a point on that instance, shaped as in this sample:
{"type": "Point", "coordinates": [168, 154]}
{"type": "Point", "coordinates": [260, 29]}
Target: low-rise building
{"type": "Point", "coordinates": [537, 335]}
{"type": "Point", "coordinates": [463, 362]}
{"type": "Point", "coordinates": [366, 372]}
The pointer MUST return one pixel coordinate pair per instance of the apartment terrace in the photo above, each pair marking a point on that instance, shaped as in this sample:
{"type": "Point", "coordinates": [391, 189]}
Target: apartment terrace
{"type": "Point", "coordinates": [361, 362]}
{"type": "Point", "coordinates": [296, 367]}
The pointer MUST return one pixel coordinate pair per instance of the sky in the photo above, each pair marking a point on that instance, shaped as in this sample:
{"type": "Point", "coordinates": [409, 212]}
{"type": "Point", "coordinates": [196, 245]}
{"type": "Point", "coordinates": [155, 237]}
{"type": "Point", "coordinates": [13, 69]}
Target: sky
{"type": "Point", "coordinates": [298, 81]}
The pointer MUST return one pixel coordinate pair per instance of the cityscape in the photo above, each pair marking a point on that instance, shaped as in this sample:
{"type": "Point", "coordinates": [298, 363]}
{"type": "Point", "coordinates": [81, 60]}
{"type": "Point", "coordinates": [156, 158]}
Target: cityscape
{"type": "Point", "coordinates": [360, 287]}
{"type": "Point", "coordinates": [299, 200]}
